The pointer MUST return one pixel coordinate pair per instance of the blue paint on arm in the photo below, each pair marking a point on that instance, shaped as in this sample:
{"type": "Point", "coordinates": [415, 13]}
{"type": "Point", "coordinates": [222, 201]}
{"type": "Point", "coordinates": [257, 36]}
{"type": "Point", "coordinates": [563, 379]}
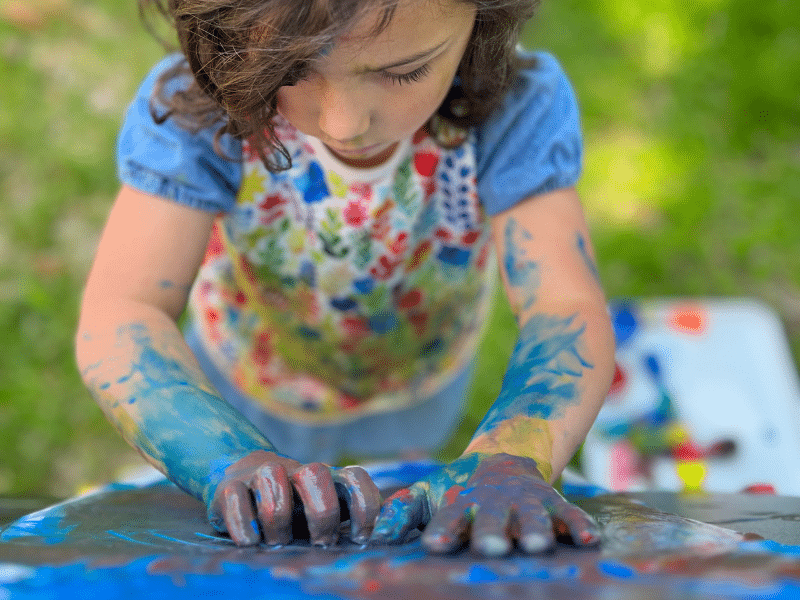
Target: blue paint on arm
{"type": "Point", "coordinates": [520, 270]}
{"type": "Point", "coordinates": [584, 252]}
{"type": "Point", "coordinates": [192, 432]}
{"type": "Point", "coordinates": [543, 371]}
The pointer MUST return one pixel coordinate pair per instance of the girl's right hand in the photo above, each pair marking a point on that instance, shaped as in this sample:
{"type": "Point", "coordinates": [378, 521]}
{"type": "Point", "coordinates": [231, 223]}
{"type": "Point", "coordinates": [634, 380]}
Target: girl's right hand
{"type": "Point", "coordinates": [260, 495]}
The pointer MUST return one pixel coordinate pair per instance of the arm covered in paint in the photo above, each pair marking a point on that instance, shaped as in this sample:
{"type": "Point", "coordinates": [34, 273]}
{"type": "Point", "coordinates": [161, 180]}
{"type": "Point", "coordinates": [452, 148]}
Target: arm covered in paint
{"type": "Point", "coordinates": [146, 380]}
{"type": "Point", "coordinates": [500, 490]}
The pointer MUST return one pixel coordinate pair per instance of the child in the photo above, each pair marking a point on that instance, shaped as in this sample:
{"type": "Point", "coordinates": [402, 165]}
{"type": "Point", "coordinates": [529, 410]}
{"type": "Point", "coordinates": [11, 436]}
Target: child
{"type": "Point", "coordinates": [326, 182]}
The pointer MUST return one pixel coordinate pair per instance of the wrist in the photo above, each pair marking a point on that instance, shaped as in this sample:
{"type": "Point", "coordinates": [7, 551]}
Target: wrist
{"type": "Point", "coordinates": [520, 436]}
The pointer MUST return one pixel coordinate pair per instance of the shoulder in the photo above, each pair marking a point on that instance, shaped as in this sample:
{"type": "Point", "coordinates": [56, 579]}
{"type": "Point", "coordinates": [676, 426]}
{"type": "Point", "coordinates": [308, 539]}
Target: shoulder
{"type": "Point", "coordinates": [167, 160]}
{"type": "Point", "coordinates": [532, 143]}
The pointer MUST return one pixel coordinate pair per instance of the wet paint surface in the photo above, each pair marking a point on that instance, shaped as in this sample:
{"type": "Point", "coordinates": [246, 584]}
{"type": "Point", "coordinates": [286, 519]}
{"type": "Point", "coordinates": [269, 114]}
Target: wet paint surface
{"type": "Point", "coordinates": [155, 540]}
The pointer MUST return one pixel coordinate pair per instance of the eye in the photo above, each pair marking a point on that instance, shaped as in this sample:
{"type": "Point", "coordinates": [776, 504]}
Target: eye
{"type": "Point", "coordinates": [411, 77]}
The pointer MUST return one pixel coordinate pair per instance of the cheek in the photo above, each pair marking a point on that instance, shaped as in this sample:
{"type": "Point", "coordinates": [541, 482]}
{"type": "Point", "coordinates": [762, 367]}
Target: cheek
{"type": "Point", "coordinates": [418, 103]}
{"type": "Point", "coordinates": [293, 105]}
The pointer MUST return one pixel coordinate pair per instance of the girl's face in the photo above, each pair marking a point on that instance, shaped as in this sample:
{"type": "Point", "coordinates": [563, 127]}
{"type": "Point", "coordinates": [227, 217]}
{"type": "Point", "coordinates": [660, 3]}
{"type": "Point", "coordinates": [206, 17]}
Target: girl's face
{"type": "Point", "coordinates": [367, 94]}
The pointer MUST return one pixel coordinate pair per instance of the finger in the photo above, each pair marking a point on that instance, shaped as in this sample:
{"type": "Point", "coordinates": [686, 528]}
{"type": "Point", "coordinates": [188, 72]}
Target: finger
{"type": "Point", "coordinates": [403, 511]}
{"type": "Point", "coordinates": [273, 496]}
{"type": "Point", "coordinates": [238, 514]}
{"type": "Point", "coordinates": [582, 528]}
{"type": "Point", "coordinates": [363, 500]}
{"type": "Point", "coordinates": [533, 527]}
{"type": "Point", "coordinates": [448, 529]}
{"type": "Point", "coordinates": [314, 485]}
{"type": "Point", "coordinates": [490, 534]}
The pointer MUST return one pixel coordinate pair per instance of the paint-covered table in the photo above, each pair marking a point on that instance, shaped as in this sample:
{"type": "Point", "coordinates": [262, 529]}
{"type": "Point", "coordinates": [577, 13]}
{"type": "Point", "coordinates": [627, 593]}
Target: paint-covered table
{"type": "Point", "coordinates": [151, 540]}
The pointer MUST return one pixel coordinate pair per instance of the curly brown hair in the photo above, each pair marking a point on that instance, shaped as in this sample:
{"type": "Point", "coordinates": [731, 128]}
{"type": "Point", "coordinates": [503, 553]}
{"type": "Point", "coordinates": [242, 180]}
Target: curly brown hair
{"type": "Point", "coordinates": [241, 51]}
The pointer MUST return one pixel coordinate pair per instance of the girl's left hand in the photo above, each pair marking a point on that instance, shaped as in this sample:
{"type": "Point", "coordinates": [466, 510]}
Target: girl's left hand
{"type": "Point", "coordinates": [488, 500]}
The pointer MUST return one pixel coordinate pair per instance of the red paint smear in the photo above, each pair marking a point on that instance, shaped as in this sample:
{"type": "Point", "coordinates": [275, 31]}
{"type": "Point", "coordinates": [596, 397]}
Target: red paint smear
{"type": "Point", "coordinates": [760, 488]}
{"type": "Point", "coordinates": [371, 585]}
{"type": "Point", "coordinates": [688, 451]}
{"type": "Point", "coordinates": [588, 538]}
{"type": "Point", "coordinates": [689, 320]}
{"type": "Point", "coordinates": [450, 495]}
{"type": "Point", "coordinates": [620, 380]}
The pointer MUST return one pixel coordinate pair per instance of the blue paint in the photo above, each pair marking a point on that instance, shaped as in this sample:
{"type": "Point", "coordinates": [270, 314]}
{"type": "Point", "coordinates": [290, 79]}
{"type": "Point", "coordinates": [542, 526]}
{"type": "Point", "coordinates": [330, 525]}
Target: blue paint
{"type": "Point", "coordinates": [624, 320]}
{"type": "Point", "coordinates": [399, 561]}
{"type": "Point", "coordinates": [215, 538]}
{"type": "Point", "coordinates": [542, 373]}
{"type": "Point", "coordinates": [343, 304]}
{"type": "Point", "coordinates": [583, 250]}
{"type": "Point", "coordinates": [557, 573]}
{"type": "Point", "coordinates": [382, 322]}
{"type": "Point", "coordinates": [192, 432]}
{"type": "Point", "coordinates": [615, 570]}
{"type": "Point", "coordinates": [213, 570]}
{"type": "Point", "coordinates": [312, 183]}
{"type": "Point", "coordinates": [84, 581]}
{"type": "Point", "coordinates": [308, 273]}
{"type": "Point", "coordinates": [664, 412]}
{"type": "Point", "coordinates": [451, 255]}
{"type": "Point", "coordinates": [768, 546]}
{"type": "Point", "coordinates": [480, 574]}
{"type": "Point", "coordinates": [521, 272]}
{"type": "Point", "coordinates": [48, 525]}
{"type": "Point", "coordinates": [170, 538]}
{"type": "Point", "coordinates": [104, 386]}
{"type": "Point", "coordinates": [364, 286]}
{"type": "Point", "coordinates": [527, 570]}
{"type": "Point", "coordinates": [128, 538]}
{"type": "Point", "coordinates": [308, 333]}
{"type": "Point", "coordinates": [425, 495]}
{"type": "Point", "coordinates": [345, 564]}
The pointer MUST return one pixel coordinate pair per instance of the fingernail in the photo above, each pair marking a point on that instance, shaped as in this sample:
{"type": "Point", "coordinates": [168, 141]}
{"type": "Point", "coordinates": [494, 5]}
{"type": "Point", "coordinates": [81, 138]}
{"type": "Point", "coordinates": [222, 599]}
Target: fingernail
{"type": "Point", "coordinates": [437, 542]}
{"type": "Point", "coordinates": [535, 542]}
{"type": "Point", "coordinates": [589, 538]}
{"type": "Point", "coordinates": [492, 545]}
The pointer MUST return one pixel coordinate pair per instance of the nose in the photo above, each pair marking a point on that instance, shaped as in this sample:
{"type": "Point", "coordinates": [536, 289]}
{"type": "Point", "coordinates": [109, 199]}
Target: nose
{"type": "Point", "coordinates": [344, 114]}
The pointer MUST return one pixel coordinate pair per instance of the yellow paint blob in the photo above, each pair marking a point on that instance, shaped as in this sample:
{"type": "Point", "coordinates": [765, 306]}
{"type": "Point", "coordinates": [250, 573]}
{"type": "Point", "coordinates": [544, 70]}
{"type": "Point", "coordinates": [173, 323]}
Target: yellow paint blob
{"type": "Point", "coordinates": [692, 473]}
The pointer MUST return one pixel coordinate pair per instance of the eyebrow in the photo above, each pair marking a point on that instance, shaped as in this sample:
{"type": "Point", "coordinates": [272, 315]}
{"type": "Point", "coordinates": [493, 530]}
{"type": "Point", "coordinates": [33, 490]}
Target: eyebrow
{"type": "Point", "coordinates": [406, 61]}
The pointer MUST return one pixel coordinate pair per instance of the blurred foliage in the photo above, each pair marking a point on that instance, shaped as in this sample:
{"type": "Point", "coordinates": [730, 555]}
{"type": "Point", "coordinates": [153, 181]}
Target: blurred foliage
{"type": "Point", "coordinates": [691, 185]}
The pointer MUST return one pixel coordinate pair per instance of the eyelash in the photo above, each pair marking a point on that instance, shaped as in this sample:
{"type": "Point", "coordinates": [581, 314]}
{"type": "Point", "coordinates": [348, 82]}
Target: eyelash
{"type": "Point", "coordinates": [411, 77]}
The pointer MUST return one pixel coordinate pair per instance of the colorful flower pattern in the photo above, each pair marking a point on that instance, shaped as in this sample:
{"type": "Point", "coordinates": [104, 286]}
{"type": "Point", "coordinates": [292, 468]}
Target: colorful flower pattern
{"type": "Point", "coordinates": [326, 297]}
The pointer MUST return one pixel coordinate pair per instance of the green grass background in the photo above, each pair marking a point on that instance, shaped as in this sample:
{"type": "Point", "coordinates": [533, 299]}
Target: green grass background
{"type": "Point", "coordinates": [692, 185]}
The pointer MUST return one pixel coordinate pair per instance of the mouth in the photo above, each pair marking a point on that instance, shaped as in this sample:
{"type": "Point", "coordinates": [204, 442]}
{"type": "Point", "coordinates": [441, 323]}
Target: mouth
{"type": "Point", "coordinates": [363, 151]}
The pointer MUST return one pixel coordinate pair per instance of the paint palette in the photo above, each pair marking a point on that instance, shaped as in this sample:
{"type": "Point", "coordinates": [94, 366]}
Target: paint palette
{"type": "Point", "coordinates": [705, 396]}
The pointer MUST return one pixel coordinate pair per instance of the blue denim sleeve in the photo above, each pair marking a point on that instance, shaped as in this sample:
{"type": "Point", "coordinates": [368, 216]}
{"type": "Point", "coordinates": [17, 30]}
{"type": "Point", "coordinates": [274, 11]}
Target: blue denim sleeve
{"type": "Point", "coordinates": [168, 161]}
{"type": "Point", "coordinates": [532, 143]}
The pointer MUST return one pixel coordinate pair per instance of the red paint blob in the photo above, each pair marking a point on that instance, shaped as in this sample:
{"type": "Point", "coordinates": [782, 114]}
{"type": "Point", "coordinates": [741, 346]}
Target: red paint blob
{"type": "Point", "coordinates": [588, 538]}
{"type": "Point", "coordinates": [760, 488]}
{"type": "Point", "coordinates": [688, 451]}
{"type": "Point", "coordinates": [620, 380]}
{"type": "Point", "coordinates": [410, 299]}
{"type": "Point", "coordinates": [425, 163]}
{"type": "Point", "coordinates": [689, 320]}
{"type": "Point", "coordinates": [451, 494]}
{"type": "Point", "coordinates": [371, 585]}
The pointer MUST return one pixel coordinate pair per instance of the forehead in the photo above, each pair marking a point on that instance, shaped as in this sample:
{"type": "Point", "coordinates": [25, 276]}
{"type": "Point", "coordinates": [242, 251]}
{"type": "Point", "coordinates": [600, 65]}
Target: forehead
{"type": "Point", "coordinates": [413, 26]}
